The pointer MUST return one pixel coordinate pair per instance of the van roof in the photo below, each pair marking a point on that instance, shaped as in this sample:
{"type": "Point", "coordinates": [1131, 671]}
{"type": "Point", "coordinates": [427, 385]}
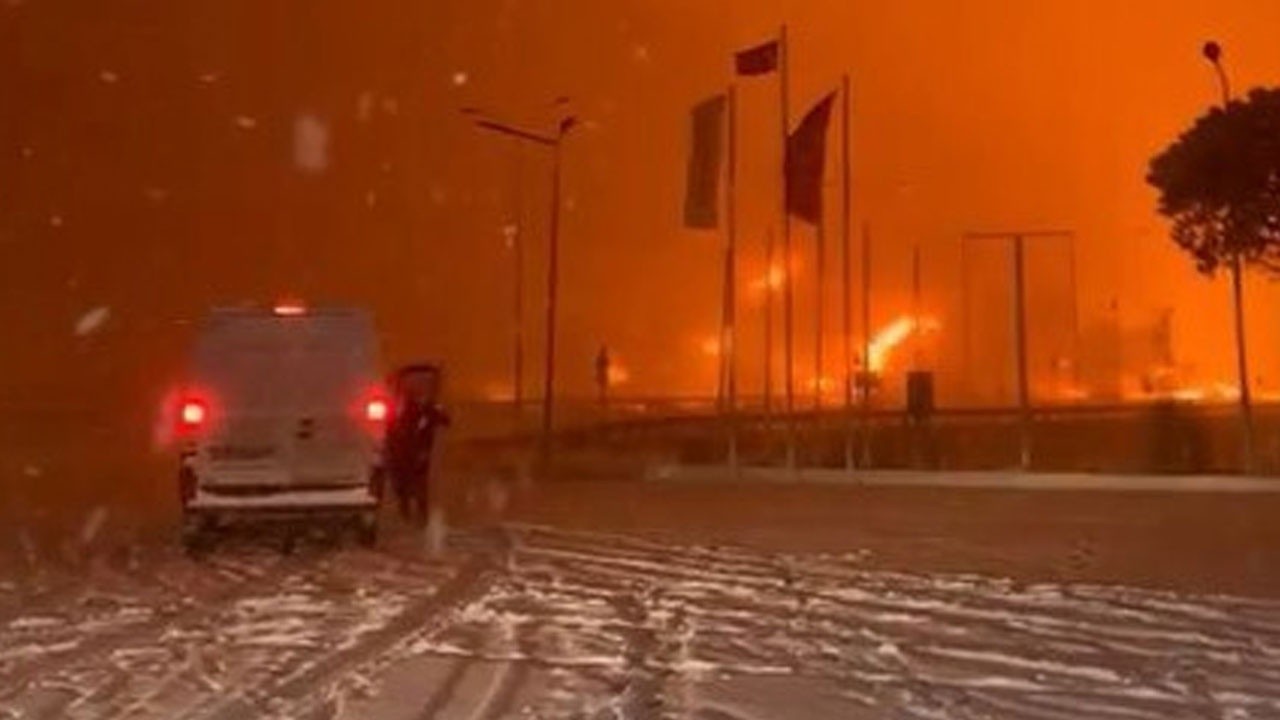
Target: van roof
{"type": "Point", "coordinates": [249, 311]}
{"type": "Point", "coordinates": [238, 325]}
{"type": "Point", "coordinates": [251, 358]}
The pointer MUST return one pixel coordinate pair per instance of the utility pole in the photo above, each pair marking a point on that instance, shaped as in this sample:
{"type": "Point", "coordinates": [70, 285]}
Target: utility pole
{"type": "Point", "coordinates": [1213, 53]}
{"type": "Point", "coordinates": [554, 143]}
{"type": "Point", "coordinates": [788, 289]}
{"type": "Point", "coordinates": [846, 275]}
{"type": "Point", "coordinates": [967, 328]}
{"type": "Point", "coordinates": [917, 355]}
{"type": "Point", "coordinates": [1018, 287]}
{"type": "Point", "coordinates": [1020, 342]}
{"type": "Point", "coordinates": [769, 291]}
{"type": "Point", "coordinates": [515, 244]}
{"type": "Point", "coordinates": [867, 370]}
{"type": "Point", "coordinates": [514, 236]}
{"type": "Point", "coordinates": [729, 346]}
{"type": "Point", "coordinates": [820, 291]}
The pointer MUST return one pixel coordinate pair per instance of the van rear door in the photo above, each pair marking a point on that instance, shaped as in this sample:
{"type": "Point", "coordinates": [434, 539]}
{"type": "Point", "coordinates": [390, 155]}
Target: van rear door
{"type": "Point", "coordinates": [287, 400]}
{"type": "Point", "coordinates": [332, 442]}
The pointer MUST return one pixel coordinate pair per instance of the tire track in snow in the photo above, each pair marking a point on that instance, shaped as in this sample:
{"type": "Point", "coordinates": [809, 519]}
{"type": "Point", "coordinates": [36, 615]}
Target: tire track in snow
{"type": "Point", "coordinates": [187, 671]}
{"type": "Point", "coordinates": [444, 694]}
{"type": "Point", "coordinates": [992, 633]}
{"type": "Point", "coordinates": [301, 687]}
{"type": "Point", "coordinates": [97, 647]}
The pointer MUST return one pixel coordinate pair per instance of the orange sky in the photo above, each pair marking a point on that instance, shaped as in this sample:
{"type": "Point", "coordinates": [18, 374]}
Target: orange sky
{"type": "Point", "coordinates": [968, 115]}
{"type": "Point", "coordinates": [981, 114]}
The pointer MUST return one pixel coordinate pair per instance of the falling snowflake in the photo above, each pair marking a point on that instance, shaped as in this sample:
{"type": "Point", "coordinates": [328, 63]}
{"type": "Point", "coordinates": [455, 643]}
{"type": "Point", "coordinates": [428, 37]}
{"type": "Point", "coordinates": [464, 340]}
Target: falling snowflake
{"type": "Point", "coordinates": [244, 122]}
{"type": "Point", "coordinates": [437, 533]}
{"type": "Point", "coordinates": [459, 78]}
{"type": "Point", "coordinates": [155, 194]}
{"type": "Point", "coordinates": [109, 77]}
{"type": "Point", "coordinates": [371, 198]}
{"type": "Point", "coordinates": [55, 221]}
{"type": "Point", "coordinates": [640, 53]}
{"type": "Point", "coordinates": [391, 106]}
{"type": "Point", "coordinates": [28, 152]}
{"type": "Point", "coordinates": [92, 321]}
{"type": "Point", "coordinates": [310, 144]}
{"type": "Point", "coordinates": [210, 78]}
{"type": "Point", "coordinates": [364, 106]}
{"type": "Point", "coordinates": [93, 523]}
{"type": "Point", "coordinates": [32, 471]}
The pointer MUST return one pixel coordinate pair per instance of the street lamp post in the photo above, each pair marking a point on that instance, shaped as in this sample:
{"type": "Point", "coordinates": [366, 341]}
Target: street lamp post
{"type": "Point", "coordinates": [1213, 53]}
{"type": "Point", "coordinates": [515, 245]}
{"type": "Point", "coordinates": [1019, 290]}
{"type": "Point", "coordinates": [554, 143]}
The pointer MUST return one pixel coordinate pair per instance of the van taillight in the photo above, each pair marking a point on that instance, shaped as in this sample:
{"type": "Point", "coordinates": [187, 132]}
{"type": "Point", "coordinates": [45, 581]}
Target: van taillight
{"type": "Point", "coordinates": [193, 414]}
{"type": "Point", "coordinates": [376, 410]}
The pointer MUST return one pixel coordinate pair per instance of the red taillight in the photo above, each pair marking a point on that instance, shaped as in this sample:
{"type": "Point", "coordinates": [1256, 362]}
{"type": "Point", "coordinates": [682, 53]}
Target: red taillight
{"type": "Point", "coordinates": [193, 414]}
{"type": "Point", "coordinates": [377, 410]}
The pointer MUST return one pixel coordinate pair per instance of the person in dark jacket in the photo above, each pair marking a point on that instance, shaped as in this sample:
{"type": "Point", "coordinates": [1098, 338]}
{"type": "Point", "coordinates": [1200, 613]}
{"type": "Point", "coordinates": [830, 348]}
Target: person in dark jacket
{"type": "Point", "coordinates": [411, 437]}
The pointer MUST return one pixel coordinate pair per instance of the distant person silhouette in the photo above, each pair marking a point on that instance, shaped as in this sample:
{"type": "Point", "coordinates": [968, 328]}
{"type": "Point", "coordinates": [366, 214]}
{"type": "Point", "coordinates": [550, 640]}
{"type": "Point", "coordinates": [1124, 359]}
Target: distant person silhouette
{"type": "Point", "coordinates": [603, 363]}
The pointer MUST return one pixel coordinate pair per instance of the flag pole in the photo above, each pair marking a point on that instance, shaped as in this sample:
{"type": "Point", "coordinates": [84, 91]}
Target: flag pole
{"type": "Point", "coordinates": [865, 398]}
{"type": "Point", "coordinates": [820, 283]}
{"type": "Point", "coordinates": [517, 306]}
{"type": "Point", "coordinates": [722, 347]}
{"type": "Point", "coordinates": [917, 362]}
{"type": "Point", "coordinates": [788, 286]}
{"type": "Point", "coordinates": [729, 348]}
{"type": "Point", "coordinates": [847, 271]}
{"type": "Point", "coordinates": [768, 327]}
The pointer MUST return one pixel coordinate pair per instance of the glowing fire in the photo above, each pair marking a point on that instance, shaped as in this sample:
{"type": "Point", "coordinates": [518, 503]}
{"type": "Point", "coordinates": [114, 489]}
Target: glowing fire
{"type": "Point", "coordinates": [1218, 391]}
{"type": "Point", "coordinates": [710, 346]}
{"type": "Point", "coordinates": [618, 375]}
{"type": "Point", "coordinates": [826, 385]}
{"type": "Point", "coordinates": [772, 280]}
{"type": "Point", "coordinates": [498, 392]}
{"type": "Point", "coordinates": [891, 337]}
{"type": "Point", "coordinates": [1171, 383]}
{"type": "Point", "coordinates": [774, 277]}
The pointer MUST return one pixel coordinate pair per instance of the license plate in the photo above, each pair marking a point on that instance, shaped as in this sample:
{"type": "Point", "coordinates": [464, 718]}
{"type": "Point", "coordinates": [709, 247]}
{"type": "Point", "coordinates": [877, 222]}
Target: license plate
{"type": "Point", "coordinates": [241, 452]}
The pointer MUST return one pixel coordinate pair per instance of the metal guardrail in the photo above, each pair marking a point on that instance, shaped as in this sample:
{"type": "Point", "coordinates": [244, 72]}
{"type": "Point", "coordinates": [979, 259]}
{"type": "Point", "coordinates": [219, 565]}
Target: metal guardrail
{"type": "Point", "coordinates": [884, 415]}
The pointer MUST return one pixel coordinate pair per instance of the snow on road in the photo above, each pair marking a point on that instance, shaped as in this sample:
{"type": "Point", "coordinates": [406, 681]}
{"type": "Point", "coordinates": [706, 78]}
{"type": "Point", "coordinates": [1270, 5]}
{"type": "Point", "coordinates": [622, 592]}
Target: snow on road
{"type": "Point", "coordinates": [536, 622]}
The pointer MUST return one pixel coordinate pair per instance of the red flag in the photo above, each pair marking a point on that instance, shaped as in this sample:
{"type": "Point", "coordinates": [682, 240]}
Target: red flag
{"type": "Point", "coordinates": [806, 160]}
{"type": "Point", "coordinates": [758, 60]}
{"type": "Point", "coordinates": [702, 191]}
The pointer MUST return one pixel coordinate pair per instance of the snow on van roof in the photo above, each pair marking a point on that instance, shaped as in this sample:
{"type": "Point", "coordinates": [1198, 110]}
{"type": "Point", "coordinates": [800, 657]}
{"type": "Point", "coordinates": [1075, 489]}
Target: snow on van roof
{"type": "Point", "coordinates": [343, 320]}
{"type": "Point", "coordinates": [225, 329]}
{"type": "Point", "coordinates": [247, 311]}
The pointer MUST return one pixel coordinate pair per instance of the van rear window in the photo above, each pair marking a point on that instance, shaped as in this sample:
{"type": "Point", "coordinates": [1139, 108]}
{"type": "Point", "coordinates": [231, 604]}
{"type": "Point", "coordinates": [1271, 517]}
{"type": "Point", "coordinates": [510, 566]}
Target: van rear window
{"type": "Point", "coordinates": [258, 362]}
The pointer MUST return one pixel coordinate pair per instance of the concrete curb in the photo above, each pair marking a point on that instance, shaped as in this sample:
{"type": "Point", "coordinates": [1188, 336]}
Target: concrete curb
{"type": "Point", "coordinates": [992, 480]}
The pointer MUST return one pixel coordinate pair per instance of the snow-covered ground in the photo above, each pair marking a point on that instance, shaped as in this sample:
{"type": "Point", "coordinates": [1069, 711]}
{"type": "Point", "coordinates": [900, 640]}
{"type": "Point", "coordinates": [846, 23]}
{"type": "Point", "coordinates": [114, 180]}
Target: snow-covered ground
{"type": "Point", "coordinates": [538, 622]}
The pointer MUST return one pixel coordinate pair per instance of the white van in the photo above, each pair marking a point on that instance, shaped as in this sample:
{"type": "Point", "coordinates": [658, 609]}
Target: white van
{"type": "Point", "coordinates": [282, 418]}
